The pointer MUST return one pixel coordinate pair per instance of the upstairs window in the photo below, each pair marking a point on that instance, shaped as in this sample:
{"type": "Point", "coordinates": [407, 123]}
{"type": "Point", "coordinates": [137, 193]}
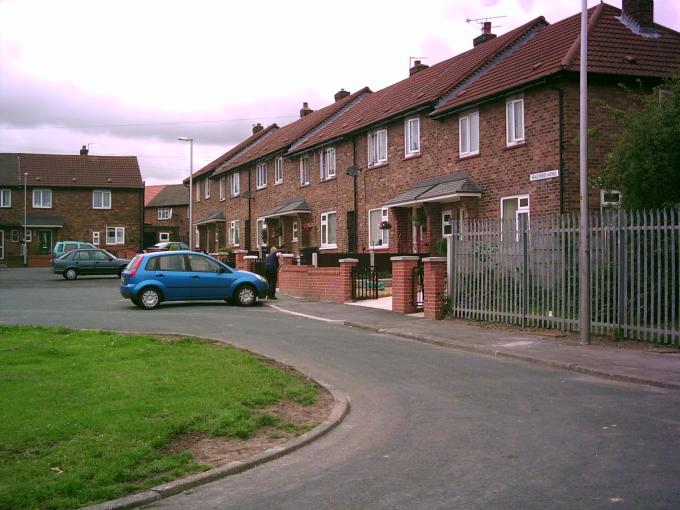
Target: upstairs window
{"type": "Point", "coordinates": [468, 129]}
{"type": "Point", "coordinates": [235, 184]}
{"type": "Point", "coordinates": [327, 163]}
{"type": "Point", "coordinates": [261, 176]}
{"type": "Point", "coordinates": [42, 198]}
{"type": "Point", "coordinates": [412, 136]}
{"type": "Point", "coordinates": [164, 213]}
{"type": "Point", "coordinates": [101, 199]}
{"type": "Point", "coordinates": [304, 170]}
{"type": "Point", "coordinates": [5, 198]}
{"type": "Point", "coordinates": [206, 188]}
{"type": "Point", "coordinates": [328, 230]}
{"type": "Point", "coordinates": [278, 170]}
{"type": "Point", "coordinates": [377, 147]}
{"type": "Point", "coordinates": [514, 120]}
{"type": "Point", "coordinates": [223, 185]}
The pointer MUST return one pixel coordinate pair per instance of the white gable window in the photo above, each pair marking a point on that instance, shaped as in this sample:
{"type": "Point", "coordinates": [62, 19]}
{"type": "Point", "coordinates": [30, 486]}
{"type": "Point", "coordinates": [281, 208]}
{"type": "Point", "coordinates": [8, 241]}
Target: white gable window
{"type": "Point", "coordinates": [514, 120]}
{"type": "Point", "coordinates": [412, 136]}
{"type": "Point", "coordinates": [261, 176]}
{"type": "Point", "coordinates": [115, 235]}
{"type": "Point", "coordinates": [164, 213]}
{"type": "Point", "coordinates": [327, 163]}
{"type": "Point", "coordinates": [235, 184]}
{"type": "Point", "coordinates": [42, 198]}
{"type": "Point", "coordinates": [328, 230]}
{"type": "Point", "coordinates": [5, 198]}
{"type": "Point", "coordinates": [95, 238]}
{"type": "Point", "coordinates": [223, 185]}
{"type": "Point", "coordinates": [304, 170]}
{"type": "Point", "coordinates": [447, 223]}
{"type": "Point", "coordinates": [235, 232]}
{"type": "Point", "coordinates": [278, 170]}
{"type": "Point", "coordinates": [377, 147]}
{"type": "Point", "coordinates": [206, 188]}
{"type": "Point", "coordinates": [101, 199]}
{"type": "Point", "coordinates": [468, 131]}
{"type": "Point", "coordinates": [378, 237]}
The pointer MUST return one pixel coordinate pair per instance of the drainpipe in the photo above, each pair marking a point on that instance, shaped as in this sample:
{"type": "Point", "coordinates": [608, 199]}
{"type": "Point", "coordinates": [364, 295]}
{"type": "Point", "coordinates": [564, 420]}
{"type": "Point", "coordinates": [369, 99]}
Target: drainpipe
{"type": "Point", "coordinates": [355, 235]}
{"type": "Point", "coordinates": [250, 221]}
{"type": "Point", "coordinates": [140, 246]}
{"type": "Point", "coordinates": [560, 93]}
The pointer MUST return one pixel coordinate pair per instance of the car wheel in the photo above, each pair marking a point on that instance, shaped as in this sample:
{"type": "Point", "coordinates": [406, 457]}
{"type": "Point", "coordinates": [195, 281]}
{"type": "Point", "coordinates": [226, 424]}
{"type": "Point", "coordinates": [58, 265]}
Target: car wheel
{"type": "Point", "coordinates": [149, 298]}
{"type": "Point", "coordinates": [136, 302]}
{"type": "Point", "coordinates": [246, 295]}
{"type": "Point", "coordinates": [70, 274]}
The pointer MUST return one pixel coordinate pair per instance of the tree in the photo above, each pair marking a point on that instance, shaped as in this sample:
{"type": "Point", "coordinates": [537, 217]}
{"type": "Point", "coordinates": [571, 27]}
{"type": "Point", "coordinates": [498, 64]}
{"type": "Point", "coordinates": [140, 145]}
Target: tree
{"type": "Point", "coordinates": [645, 162]}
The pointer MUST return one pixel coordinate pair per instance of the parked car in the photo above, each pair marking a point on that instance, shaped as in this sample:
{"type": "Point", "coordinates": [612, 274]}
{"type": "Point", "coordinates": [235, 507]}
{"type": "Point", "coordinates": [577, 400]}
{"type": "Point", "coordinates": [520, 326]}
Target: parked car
{"type": "Point", "coordinates": [86, 262]}
{"type": "Point", "coordinates": [62, 247]}
{"type": "Point", "coordinates": [167, 246]}
{"type": "Point", "coordinates": [152, 278]}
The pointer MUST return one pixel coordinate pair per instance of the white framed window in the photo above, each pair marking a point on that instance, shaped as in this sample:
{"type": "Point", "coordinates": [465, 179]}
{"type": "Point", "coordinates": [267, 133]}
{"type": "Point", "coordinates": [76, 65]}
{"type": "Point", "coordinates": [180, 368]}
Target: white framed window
{"type": "Point", "coordinates": [96, 238]}
{"type": "Point", "coordinates": [101, 199]}
{"type": "Point", "coordinates": [15, 236]}
{"type": "Point", "coordinates": [327, 163]}
{"type": "Point", "coordinates": [296, 231]}
{"type": "Point", "coordinates": [206, 188]}
{"type": "Point", "coordinates": [42, 198]}
{"type": "Point", "coordinates": [197, 187]}
{"type": "Point", "coordinates": [115, 235]}
{"type": "Point", "coordinates": [377, 147]}
{"type": "Point", "coordinates": [260, 228]}
{"type": "Point", "coordinates": [197, 238]}
{"type": "Point", "coordinates": [328, 230]}
{"type": "Point", "coordinates": [261, 176]}
{"type": "Point", "coordinates": [514, 120]}
{"type": "Point", "coordinates": [514, 211]}
{"type": "Point", "coordinates": [468, 134]}
{"type": "Point", "coordinates": [278, 170]}
{"type": "Point", "coordinates": [29, 235]}
{"type": "Point", "coordinates": [377, 237]}
{"type": "Point", "coordinates": [610, 199]}
{"type": "Point", "coordinates": [164, 213]}
{"type": "Point", "coordinates": [412, 136]}
{"type": "Point", "coordinates": [5, 198]}
{"type": "Point", "coordinates": [304, 170]}
{"type": "Point", "coordinates": [223, 185]}
{"type": "Point", "coordinates": [235, 232]}
{"type": "Point", "coordinates": [235, 184]}
{"type": "Point", "coordinates": [447, 223]}
{"type": "Point", "coordinates": [163, 237]}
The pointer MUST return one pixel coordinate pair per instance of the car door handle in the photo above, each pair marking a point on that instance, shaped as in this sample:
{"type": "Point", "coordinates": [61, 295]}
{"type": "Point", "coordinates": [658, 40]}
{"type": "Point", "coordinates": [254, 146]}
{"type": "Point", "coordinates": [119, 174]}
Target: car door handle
{"type": "Point", "coordinates": [160, 275]}
{"type": "Point", "coordinates": [195, 276]}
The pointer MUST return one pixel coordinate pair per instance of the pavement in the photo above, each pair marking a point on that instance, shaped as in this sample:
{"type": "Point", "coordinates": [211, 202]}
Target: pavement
{"type": "Point", "coordinates": [626, 361]}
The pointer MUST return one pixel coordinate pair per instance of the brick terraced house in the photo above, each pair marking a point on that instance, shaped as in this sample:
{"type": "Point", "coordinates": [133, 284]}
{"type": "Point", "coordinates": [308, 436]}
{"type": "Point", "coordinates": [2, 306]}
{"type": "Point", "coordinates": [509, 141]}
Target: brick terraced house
{"type": "Point", "coordinates": [489, 133]}
{"type": "Point", "coordinates": [166, 215]}
{"type": "Point", "coordinates": [98, 199]}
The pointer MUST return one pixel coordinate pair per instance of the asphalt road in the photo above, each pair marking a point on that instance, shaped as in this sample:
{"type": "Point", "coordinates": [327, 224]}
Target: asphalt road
{"type": "Point", "coordinates": [430, 428]}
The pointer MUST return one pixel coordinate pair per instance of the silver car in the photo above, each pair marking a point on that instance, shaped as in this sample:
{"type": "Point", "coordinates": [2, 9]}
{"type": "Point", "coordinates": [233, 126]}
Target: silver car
{"type": "Point", "coordinates": [86, 262]}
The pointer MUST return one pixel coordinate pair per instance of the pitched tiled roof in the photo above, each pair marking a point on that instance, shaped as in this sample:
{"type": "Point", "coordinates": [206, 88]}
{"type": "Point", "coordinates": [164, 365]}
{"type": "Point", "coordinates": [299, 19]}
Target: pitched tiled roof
{"type": "Point", "coordinates": [9, 170]}
{"type": "Point", "coordinates": [151, 191]}
{"type": "Point", "coordinates": [81, 171]}
{"type": "Point", "coordinates": [436, 189]}
{"type": "Point", "coordinates": [286, 135]}
{"type": "Point", "coordinates": [173, 194]}
{"type": "Point", "coordinates": [289, 207]}
{"type": "Point", "coordinates": [612, 49]}
{"type": "Point", "coordinates": [419, 89]}
{"type": "Point", "coordinates": [252, 139]}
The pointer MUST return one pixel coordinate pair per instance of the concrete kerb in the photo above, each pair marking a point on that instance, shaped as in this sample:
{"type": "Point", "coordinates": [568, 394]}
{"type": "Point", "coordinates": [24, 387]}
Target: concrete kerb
{"type": "Point", "coordinates": [340, 410]}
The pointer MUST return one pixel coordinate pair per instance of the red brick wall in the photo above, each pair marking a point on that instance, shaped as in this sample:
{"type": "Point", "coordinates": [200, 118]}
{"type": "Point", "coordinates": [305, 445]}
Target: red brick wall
{"type": "Point", "coordinates": [319, 283]}
{"type": "Point", "coordinates": [177, 225]}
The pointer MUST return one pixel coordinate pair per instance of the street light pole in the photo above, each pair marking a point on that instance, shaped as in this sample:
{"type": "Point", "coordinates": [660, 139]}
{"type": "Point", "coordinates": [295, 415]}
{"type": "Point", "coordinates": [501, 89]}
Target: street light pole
{"type": "Point", "coordinates": [25, 220]}
{"type": "Point", "coordinates": [584, 225]}
{"type": "Point", "coordinates": [191, 178]}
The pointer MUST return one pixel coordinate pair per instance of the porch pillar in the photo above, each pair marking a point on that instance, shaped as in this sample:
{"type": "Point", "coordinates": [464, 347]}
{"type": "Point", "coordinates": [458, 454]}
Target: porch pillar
{"type": "Point", "coordinates": [346, 266]}
{"type": "Point", "coordinates": [434, 287]}
{"type": "Point", "coordinates": [402, 283]}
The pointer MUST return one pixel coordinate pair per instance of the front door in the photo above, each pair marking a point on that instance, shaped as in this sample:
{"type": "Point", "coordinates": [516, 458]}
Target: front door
{"type": "Point", "coordinates": [44, 241]}
{"type": "Point", "coordinates": [2, 244]}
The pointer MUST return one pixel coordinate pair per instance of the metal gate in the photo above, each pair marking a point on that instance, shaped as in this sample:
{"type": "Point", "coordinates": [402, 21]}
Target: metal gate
{"type": "Point", "coordinates": [364, 283]}
{"type": "Point", "coordinates": [418, 287]}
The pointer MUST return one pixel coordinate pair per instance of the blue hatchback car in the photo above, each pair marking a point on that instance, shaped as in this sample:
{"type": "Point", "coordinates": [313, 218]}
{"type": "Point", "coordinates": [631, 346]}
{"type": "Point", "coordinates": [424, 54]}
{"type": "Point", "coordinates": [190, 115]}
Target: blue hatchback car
{"type": "Point", "coordinates": [151, 278]}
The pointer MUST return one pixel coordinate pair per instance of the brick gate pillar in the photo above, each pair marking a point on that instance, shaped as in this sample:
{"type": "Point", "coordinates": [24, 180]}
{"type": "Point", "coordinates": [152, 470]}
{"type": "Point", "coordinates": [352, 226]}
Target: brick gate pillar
{"type": "Point", "coordinates": [346, 266]}
{"type": "Point", "coordinates": [240, 260]}
{"type": "Point", "coordinates": [435, 287]}
{"type": "Point", "coordinates": [249, 262]}
{"type": "Point", "coordinates": [402, 283]}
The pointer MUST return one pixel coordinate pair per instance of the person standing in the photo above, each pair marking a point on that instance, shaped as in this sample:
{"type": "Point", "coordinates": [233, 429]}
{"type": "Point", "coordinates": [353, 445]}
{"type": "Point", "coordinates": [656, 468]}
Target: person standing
{"type": "Point", "coordinates": [271, 270]}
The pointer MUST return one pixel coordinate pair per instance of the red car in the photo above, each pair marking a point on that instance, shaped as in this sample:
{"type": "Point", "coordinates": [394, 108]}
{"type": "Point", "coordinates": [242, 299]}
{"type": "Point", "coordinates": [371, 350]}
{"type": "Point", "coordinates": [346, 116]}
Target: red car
{"type": "Point", "coordinates": [167, 246]}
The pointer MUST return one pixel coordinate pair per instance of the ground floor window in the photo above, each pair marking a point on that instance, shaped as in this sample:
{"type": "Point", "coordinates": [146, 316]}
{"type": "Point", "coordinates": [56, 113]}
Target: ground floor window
{"type": "Point", "coordinates": [15, 236]}
{"type": "Point", "coordinates": [329, 230]}
{"type": "Point", "coordinates": [447, 223]}
{"type": "Point", "coordinates": [95, 238]}
{"type": "Point", "coordinates": [115, 235]}
{"type": "Point", "coordinates": [514, 212]}
{"type": "Point", "coordinates": [296, 229]}
{"type": "Point", "coordinates": [235, 232]}
{"type": "Point", "coordinates": [260, 230]}
{"type": "Point", "coordinates": [378, 237]}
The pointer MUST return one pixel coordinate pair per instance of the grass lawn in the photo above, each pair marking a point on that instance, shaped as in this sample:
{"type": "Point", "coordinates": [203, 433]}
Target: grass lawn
{"type": "Point", "coordinates": [87, 416]}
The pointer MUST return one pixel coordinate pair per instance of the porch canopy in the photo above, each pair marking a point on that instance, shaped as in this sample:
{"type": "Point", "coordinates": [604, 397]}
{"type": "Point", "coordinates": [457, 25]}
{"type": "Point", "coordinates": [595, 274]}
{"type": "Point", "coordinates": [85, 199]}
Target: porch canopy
{"type": "Point", "coordinates": [212, 217]}
{"type": "Point", "coordinates": [444, 188]}
{"type": "Point", "coordinates": [43, 221]}
{"type": "Point", "coordinates": [288, 207]}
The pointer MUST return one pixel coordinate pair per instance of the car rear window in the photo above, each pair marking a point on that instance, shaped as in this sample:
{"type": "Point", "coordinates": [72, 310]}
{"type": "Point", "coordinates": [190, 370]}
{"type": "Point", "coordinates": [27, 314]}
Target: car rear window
{"type": "Point", "coordinates": [132, 262]}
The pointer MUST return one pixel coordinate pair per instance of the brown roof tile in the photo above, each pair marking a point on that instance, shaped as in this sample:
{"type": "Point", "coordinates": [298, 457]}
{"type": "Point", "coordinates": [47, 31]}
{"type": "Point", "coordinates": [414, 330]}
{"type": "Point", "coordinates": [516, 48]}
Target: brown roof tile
{"type": "Point", "coordinates": [151, 191]}
{"type": "Point", "coordinates": [172, 194]}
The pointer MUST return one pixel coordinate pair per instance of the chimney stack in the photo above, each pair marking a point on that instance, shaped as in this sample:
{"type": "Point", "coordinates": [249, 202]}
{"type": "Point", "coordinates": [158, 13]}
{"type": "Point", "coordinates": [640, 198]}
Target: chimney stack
{"type": "Point", "coordinates": [640, 14]}
{"type": "Point", "coordinates": [417, 67]}
{"type": "Point", "coordinates": [84, 151]}
{"type": "Point", "coordinates": [486, 35]}
{"type": "Point", "coordinates": [257, 128]}
{"type": "Point", "coordinates": [341, 94]}
{"type": "Point", "coordinates": [305, 110]}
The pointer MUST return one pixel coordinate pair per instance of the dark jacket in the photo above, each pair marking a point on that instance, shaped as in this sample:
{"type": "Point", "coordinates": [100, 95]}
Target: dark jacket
{"type": "Point", "coordinates": [271, 261]}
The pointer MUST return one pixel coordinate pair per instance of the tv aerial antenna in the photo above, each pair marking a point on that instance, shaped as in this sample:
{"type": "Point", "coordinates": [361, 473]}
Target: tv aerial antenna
{"type": "Point", "coordinates": [482, 22]}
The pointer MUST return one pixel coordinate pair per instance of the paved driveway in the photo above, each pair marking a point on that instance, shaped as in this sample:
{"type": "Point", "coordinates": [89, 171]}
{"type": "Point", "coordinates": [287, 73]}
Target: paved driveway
{"type": "Point", "coordinates": [429, 427]}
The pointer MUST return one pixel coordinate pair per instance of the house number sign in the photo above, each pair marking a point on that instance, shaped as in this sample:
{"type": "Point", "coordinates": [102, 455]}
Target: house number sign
{"type": "Point", "coordinates": [544, 175]}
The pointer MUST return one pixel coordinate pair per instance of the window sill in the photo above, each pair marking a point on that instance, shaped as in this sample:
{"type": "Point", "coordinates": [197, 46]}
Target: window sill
{"type": "Point", "coordinates": [411, 156]}
{"type": "Point", "coordinates": [258, 188]}
{"type": "Point", "coordinates": [328, 179]}
{"type": "Point", "coordinates": [329, 247]}
{"type": "Point", "coordinates": [304, 185]}
{"type": "Point", "coordinates": [101, 208]}
{"type": "Point", "coordinates": [378, 165]}
{"type": "Point", "coordinates": [238, 195]}
{"type": "Point", "coordinates": [222, 199]}
{"type": "Point", "coordinates": [382, 247]}
{"type": "Point", "coordinates": [42, 207]}
{"type": "Point", "coordinates": [278, 183]}
{"type": "Point", "coordinates": [515, 146]}
{"type": "Point", "coordinates": [294, 240]}
{"type": "Point", "coordinates": [468, 156]}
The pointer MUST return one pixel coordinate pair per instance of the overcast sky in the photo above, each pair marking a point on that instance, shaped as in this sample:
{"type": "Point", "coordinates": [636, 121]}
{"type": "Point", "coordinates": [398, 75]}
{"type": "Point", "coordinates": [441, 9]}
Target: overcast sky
{"type": "Point", "coordinates": [130, 76]}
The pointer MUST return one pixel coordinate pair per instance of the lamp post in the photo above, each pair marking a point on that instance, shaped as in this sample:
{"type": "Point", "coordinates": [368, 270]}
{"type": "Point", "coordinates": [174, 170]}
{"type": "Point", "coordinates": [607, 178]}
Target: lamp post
{"type": "Point", "coordinates": [25, 220]}
{"type": "Point", "coordinates": [584, 226]}
{"type": "Point", "coordinates": [191, 178]}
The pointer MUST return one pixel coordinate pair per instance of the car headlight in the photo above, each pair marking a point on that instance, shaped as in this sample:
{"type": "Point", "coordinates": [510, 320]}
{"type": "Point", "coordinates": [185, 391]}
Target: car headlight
{"type": "Point", "coordinates": [260, 277]}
